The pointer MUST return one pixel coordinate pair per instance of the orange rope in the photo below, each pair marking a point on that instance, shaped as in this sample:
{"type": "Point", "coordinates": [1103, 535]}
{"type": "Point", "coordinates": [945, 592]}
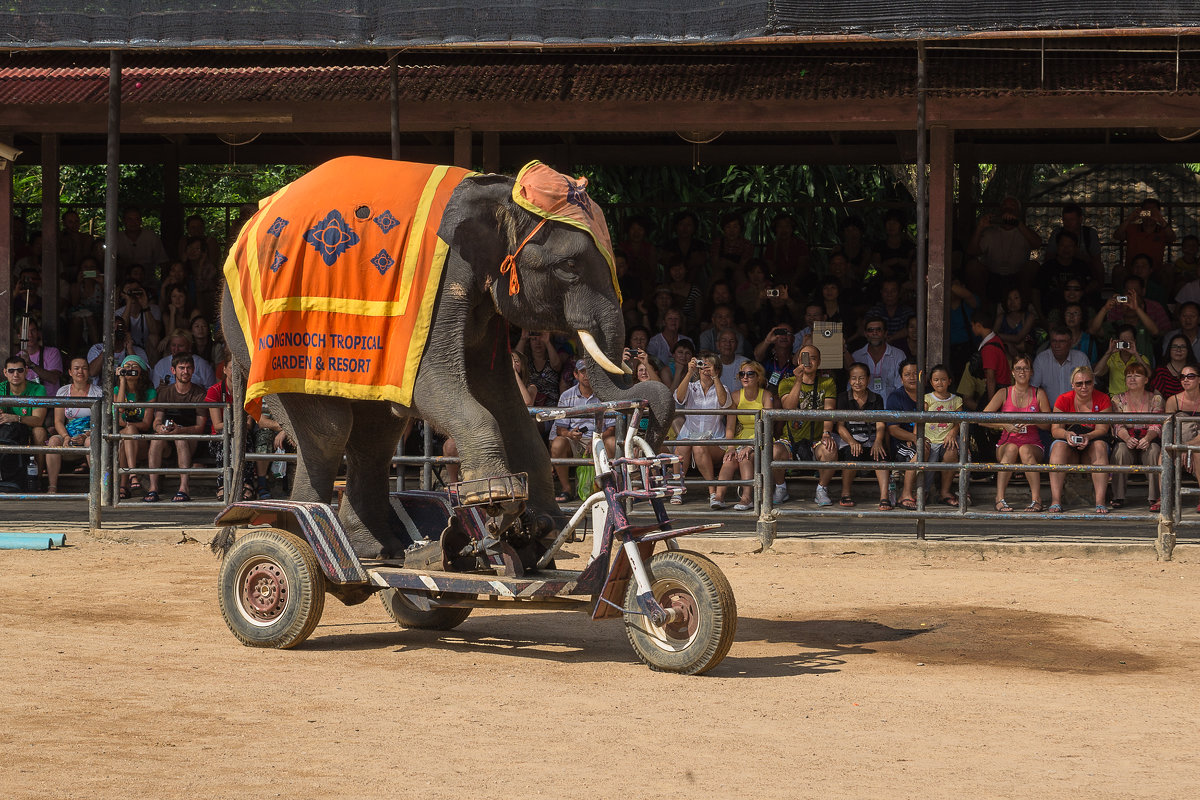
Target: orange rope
{"type": "Point", "coordinates": [509, 265]}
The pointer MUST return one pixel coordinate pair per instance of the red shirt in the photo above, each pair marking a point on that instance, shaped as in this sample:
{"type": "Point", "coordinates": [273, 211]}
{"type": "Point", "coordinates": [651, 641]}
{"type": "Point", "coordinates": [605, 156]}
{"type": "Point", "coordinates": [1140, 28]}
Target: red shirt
{"type": "Point", "coordinates": [1066, 402]}
{"type": "Point", "coordinates": [995, 357]}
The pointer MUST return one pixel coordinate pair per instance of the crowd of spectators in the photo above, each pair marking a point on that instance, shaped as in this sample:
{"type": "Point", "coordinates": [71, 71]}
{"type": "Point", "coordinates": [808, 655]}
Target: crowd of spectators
{"type": "Point", "coordinates": [167, 349]}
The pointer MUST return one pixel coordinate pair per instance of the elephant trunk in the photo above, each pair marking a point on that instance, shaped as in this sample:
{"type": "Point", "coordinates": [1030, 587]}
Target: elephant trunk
{"type": "Point", "coordinates": [662, 402]}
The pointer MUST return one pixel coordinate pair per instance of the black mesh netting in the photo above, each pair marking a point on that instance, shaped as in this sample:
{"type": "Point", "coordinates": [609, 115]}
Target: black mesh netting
{"type": "Point", "coordinates": [393, 23]}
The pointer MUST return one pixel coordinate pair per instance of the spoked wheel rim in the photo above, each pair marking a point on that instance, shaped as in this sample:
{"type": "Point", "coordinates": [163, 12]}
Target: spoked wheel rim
{"type": "Point", "coordinates": [680, 632]}
{"type": "Point", "coordinates": [263, 591]}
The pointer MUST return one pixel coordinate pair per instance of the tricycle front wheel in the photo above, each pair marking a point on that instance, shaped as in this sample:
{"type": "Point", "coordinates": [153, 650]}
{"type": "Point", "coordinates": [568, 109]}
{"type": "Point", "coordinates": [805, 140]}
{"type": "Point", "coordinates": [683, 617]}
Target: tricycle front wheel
{"type": "Point", "coordinates": [704, 614]}
{"type": "Point", "coordinates": [271, 589]}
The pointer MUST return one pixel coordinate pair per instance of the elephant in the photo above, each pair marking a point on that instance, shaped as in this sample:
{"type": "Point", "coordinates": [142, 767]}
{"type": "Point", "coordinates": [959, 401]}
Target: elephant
{"type": "Point", "coordinates": [503, 265]}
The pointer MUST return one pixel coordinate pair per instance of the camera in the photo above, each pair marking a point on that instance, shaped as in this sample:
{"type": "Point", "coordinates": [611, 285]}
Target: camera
{"type": "Point", "coordinates": [1122, 298]}
{"type": "Point", "coordinates": [1020, 427]}
{"type": "Point", "coordinates": [126, 372]}
{"type": "Point", "coordinates": [1144, 214]}
{"type": "Point", "coordinates": [772, 293]}
{"type": "Point", "coordinates": [779, 332]}
{"type": "Point", "coordinates": [698, 363]}
{"type": "Point", "coordinates": [169, 424]}
{"type": "Point", "coordinates": [1123, 345]}
{"type": "Point", "coordinates": [1075, 438]}
{"type": "Point", "coordinates": [1008, 220]}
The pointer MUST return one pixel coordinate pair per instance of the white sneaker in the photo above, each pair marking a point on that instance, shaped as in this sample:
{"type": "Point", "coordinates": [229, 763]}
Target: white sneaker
{"type": "Point", "coordinates": [715, 504]}
{"type": "Point", "coordinates": [744, 507]}
{"type": "Point", "coordinates": [823, 498]}
{"type": "Point", "coordinates": [780, 495]}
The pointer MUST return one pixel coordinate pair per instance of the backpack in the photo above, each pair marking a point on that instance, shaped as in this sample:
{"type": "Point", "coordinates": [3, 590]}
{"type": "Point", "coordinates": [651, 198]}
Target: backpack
{"type": "Point", "coordinates": [975, 365]}
{"type": "Point", "coordinates": [12, 464]}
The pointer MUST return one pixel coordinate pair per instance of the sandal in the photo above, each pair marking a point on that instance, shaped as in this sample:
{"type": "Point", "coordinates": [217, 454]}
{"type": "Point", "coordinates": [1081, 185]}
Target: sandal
{"type": "Point", "coordinates": [180, 497]}
{"type": "Point", "coordinates": [81, 468]}
{"type": "Point", "coordinates": [221, 493]}
{"type": "Point", "coordinates": [1118, 502]}
{"type": "Point", "coordinates": [134, 483]}
{"type": "Point", "coordinates": [908, 504]}
{"type": "Point", "coordinates": [151, 497]}
{"type": "Point", "coordinates": [848, 502]}
{"type": "Point", "coordinates": [264, 493]}
{"type": "Point", "coordinates": [885, 504]}
{"type": "Point", "coordinates": [1055, 508]}
{"type": "Point", "coordinates": [952, 501]}
{"type": "Point", "coordinates": [562, 497]}
{"type": "Point", "coordinates": [1102, 509]}
{"type": "Point", "coordinates": [123, 493]}
{"type": "Point", "coordinates": [1035, 507]}
{"type": "Point", "coordinates": [1001, 505]}
{"type": "Point", "coordinates": [1156, 505]}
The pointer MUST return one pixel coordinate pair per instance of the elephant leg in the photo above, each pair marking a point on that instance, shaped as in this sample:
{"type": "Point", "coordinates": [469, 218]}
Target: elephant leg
{"type": "Point", "coordinates": [458, 412]}
{"type": "Point", "coordinates": [365, 511]}
{"type": "Point", "coordinates": [320, 428]}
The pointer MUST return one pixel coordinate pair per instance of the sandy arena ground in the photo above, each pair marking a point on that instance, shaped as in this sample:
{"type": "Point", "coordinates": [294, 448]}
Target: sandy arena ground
{"type": "Point", "coordinates": [852, 676]}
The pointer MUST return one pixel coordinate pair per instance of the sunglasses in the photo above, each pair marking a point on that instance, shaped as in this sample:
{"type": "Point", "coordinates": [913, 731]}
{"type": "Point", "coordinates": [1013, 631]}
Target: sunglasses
{"type": "Point", "coordinates": [750, 374]}
{"type": "Point", "coordinates": [1188, 376]}
{"type": "Point", "coordinates": [1082, 383]}
{"type": "Point", "coordinates": [15, 371]}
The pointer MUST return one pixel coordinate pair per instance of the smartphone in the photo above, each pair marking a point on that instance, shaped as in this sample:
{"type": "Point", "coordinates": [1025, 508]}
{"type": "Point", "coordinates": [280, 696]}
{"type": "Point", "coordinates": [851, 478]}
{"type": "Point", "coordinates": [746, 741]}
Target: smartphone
{"type": "Point", "coordinates": [805, 360]}
{"type": "Point", "coordinates": [1123, 345]}
{"type": "Point", "coordinates": [1020, 427]}
{"type": "Point", "coordinates": [1121, 298]}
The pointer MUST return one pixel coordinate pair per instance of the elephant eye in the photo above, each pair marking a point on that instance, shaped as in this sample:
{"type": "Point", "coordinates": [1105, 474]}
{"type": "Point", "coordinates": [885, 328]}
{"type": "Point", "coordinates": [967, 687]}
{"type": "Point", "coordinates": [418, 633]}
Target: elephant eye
{"type": "Point", "coordinates": [570, 263]}
{"type": "Point", "coordinates": [565, 271]}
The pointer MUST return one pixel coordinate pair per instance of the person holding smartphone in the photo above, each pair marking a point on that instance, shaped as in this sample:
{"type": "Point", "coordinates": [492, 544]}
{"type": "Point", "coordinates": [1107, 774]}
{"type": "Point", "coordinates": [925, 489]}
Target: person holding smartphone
{"type": "Point", "coordinates": [1080, 443]}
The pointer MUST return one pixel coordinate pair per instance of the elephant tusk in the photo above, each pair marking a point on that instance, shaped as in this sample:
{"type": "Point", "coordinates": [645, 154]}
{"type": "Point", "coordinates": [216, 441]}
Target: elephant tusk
{"type": "Point", "coordinates": [593, 349]}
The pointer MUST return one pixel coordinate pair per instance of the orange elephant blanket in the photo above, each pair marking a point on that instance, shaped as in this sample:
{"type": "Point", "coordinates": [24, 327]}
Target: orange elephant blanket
{"type": "Point", "coordinates": [334, 279]}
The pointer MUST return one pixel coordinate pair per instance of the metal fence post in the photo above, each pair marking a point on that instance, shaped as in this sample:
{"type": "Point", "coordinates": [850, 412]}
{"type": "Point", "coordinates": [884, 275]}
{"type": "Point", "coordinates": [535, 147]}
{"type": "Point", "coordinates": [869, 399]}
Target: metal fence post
{"type": "Point", "coordinates": [427, 467]}
{"type": "Point", "coordinates": [767, 522]}
{"type": "Point", "coordinates": [1168, 483]}
{"type": "Point", "coordinates": [94, 477]}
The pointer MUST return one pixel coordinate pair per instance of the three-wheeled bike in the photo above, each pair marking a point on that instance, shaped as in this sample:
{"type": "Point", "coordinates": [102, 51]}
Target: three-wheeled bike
{"type": "Point", "coordinates": [281, 557]}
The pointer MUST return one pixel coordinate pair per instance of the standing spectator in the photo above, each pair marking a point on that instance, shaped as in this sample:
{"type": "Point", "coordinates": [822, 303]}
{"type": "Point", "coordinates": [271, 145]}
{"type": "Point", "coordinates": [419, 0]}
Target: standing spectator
{"type": "Point", "coordinates": [787, 255]}
{"type": "Point", "coordinates": [1053, 366]}
{"type": "Point", "coordinates": [1144, 231]}
{"type": "Point", "coordinates": [686, 294]}
{"type": "Point", "coordinates": [854, 248]}
{"type": "Point", "coordinates": [86, 305]}
{"type": "Point", "coordinates": [809, 390]}
{"type": "Point", "coordinates": [32, 418]}
{"type": "Point", "coordinates": [752, 293]}
{"type": "Point", "coordinates": [1087, 240]}
{"type": "Point", "coordinates": [1136, 443]}
{"type": "Point", "coordinates": [861, 440]}
{"type": "Point", "coordinates": [545, 365]}
{"type": "Point", "coordinates": [963, 303]}
{"type": "Point", "coordinates": [894, 255]}
{"type": "Point", "coordinates": [774, 352]}
{"type": "Point", "coordinates": [895, 315]}
{"type": "Point", "coordinates": [1131, 313]}
{"type": "Point", "coordinates": [1137, 309]}
{"type": "Point", "coordinates": [691, 251]}
{"type": "Point", "coordinates": [1121, 355]}
{"type": "Point", "coordinates": [143, 319]}
{"type": "Point", "coordinates": [201, 266]}
{"type": "Point", "coordinates": [752, 397]}
{"type": "Point", "coordinates": [177, 421]}
{"type": "Point", "coordinates": [701, 390]}
{"type": "Point", "coordinates": [179, 342]}
{"type": "Point", "coordinates": [638, 248]}
{"type": "Point", "coordinates": [942, 437]}
{"type": "Point", "coordinates": [572, 437]}
{"type": "Point", "coordinates": [1072, 292]}
{"type": "Point", "coordinates": [1080, 442]}
{"type": "Point", "coordinates": [44, 362]}
{"type": "Point", "coordinates": [903, 435]}
{"type": "Point", "coordinates": [1063, 268]}
{"type": "Point", "coordinates": [1001, 246]}
{"type": "Point", "coordinates": [138, 245]}
{"type": "Point", "coordinates": [1020, 440]}
{"type": "Point", "coordinates": [72, 426]}
{"type": "Point", "coordinates": [73, 244]}
{"type": "Point", "coordinates": [881, 359]}
{"type": "Point", "coordinates": [1166, 380]}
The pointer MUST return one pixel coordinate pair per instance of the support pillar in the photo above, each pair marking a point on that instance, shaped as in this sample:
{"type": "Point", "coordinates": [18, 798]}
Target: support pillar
{"type": "Point", "coordinates": [112, 223]}
{"type": "Point", "coordinates": [50, 192]}
{"type": "Point", "coordinates": [941, 224]}
{"type": "Point", "coordinates": [173, 228]}
{"type": "Point", "coordinates": [394, 103]}
{"type": "Point", "coordinates": [491, 152]}
{"type": "Point", "coordinates": [462, 147]}
{"type": "Point", "coordinates": [6, 253]}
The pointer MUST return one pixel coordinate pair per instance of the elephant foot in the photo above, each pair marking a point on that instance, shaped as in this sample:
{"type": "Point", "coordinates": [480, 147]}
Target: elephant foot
{"type": "Point", "coordinates": [367, 546]}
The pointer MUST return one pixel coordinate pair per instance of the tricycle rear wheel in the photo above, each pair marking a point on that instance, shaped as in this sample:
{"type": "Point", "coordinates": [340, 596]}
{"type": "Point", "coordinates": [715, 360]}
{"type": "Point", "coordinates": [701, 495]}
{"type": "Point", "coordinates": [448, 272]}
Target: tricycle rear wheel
{"type": "Point", "coordinates": [271, 589]}
{"type": "Point", "coordinates": [706, 614]}
{"type": "Point", "coordinates": [408, 615]}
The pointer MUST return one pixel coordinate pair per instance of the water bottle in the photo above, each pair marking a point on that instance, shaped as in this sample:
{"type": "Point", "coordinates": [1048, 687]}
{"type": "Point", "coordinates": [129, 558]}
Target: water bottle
{"type": "Point", "coordinates": [32, 477]}
{"type": "Point", "coordinates": [892, 489]}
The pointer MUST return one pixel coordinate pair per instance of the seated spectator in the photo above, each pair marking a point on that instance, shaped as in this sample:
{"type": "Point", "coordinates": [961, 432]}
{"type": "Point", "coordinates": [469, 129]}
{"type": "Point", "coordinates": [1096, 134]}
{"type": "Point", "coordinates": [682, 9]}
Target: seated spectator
{"type": "Point", "coordinates": [751, 293]}
{"type": "Point", "coordinates": [787, 255]}
{"type": "Point", "coordinates": [1015, 324]}
{"type": "Point", "coordinates": [644, 366]}
{"type": "Point", "coordinates": [1087, 239]}
{"type": "Point", "coordinates": [774, 352]}
{"type": "Point", "coordinates": [1189, 327]}
{"type": "Point", "coordinates": [1149, 288]}
{"type": "Point", "coordinates": [138, 245]}
{"type": "Point", "coordinates": [133, 385]}
{"type": "Point", "coordinates": [572, 437]}
{"type": "Point", "coordinates": [722, 320]}
{"type": "Point", "coordinates": [1121, 354]}
{"type": "Point", "coordinates": [44, 363]}
{"type": "Point", "coordinates": [662, 344]}
{"type": "Point", "coordinates": [30, 419]}
{"type": "Point", "coordinates": [751, 397]}
{"type": "Point", "coordinates": [1072, 292]}
{"type": "Point", "coordinates": [1187, 402]}
{"type": "Point", "coordinates": [1144, 231]}
{"type": "Point", "coordinates": [731, 251]}
{"type": "Point", "coordinates": [1166, 380]}
{"type": "Point", "coordinates": [1081, 340]}
{"type": "Point", "coordinates": [700, 390]}
{"type": "Point", "coordinates": [680, 363]}
{"type": "Point", "coordinates": [729, 360]}
{"type": "Point", "coordinates": [175, 275]}
{"type": "Point", "coordinates": [85, 305]}
{"type": "Point", "coordinates": [941, 438]}
{"type": "Point", "coordinates": [219, 393]}
{"type": "Point", "coordinates": [862, 440]}
{"type": "Point", "coordinates": [854, 248]}
{"type": "Point", "coordinates": [686, 294]}
{"type": "Point", "coordinates": [808, 390]}
{"type": "Point", "coordinates": [176, 314]}
{"type": "Point", "coordinates": [177, 421]}
{"type": "Point", "coordinates": [195, 227]}
{"type": "Point", "coordinates": [903, 435]}
{"type": "Point", "coordinates": [894, 255]}
{"type": "Point", "coordinates": [179, 342]}
{"type": "Point", "coordinates": [122, 346]}
{"type": "Point", "coordinates": [638, 248]}
{"type": "Point", "coordinates": [72, 426]}
{"type": "Point", "coordinates": [1053, 366]}
{"type": "Point", "coordinates": [690, 250]}
{"type": "Point", "coordinates": [814, 312]}
{"type": "Point", "coordinates": [1136, 443]}
{"type": "Point", "coordinates": [963, 303]}
{"type": "Point", "coordinates": [1063, 268]}
{"type": "Point", "coordinates": [1135, 310]}
{"type": "Point", "coordinates": [881, 359]}
{"type": "Point", "coordinates": [895, 315]}
{"type": "Point", "coordinates": [837, 307]}
{"type": "Point", "coordinates": [1076, 443]}
{"type": "Point", "coordinates": [201, 263]}
{"type": "Point", "coordinates": [545, 365]}
{"type": "Point", "coordinates": [1187, 263]}
{"type": "Point", "coordinates": [654, 312]}
{"type": "Point", "coordinates": [203, 343]}
{"type": "Point", "coordinates": [1020, 442]}
{"type": "Point", "coordinates": [912, 332]}
{"type": "Point", "coordinates": [142, 318]}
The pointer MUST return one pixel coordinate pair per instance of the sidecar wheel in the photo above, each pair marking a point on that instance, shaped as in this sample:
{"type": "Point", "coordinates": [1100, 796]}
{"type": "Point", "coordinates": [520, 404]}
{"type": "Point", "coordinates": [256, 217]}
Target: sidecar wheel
{"type": "Point", "coordinates": [701, 635]}
{"type": "Point", "coordinates": [409, 616]}
{"type": "Point", "coordinates": [270, 589]}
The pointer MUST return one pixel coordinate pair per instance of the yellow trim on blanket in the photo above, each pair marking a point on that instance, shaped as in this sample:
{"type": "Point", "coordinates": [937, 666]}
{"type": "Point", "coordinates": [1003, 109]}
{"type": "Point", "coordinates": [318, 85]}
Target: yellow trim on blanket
{"type": "Point", "coordinates": [412, 248]}
{"type": "Point", "coordinates": [424, 317]}
{"type": "Point", "coordinates": [350, 391]}
{"type": "Point", "coordinates": [334, 305]}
